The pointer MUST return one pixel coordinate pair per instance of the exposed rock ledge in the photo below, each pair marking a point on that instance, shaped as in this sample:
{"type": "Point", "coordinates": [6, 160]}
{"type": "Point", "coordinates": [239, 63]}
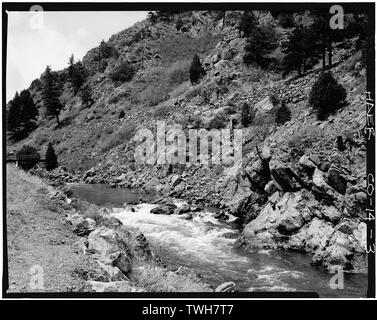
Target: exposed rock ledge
{"type": "Point", "coordinates": [297, 221]}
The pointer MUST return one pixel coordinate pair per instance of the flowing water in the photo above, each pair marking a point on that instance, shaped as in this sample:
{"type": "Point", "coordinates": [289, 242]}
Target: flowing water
{"type": "Point", "coordinates": [207, 245]}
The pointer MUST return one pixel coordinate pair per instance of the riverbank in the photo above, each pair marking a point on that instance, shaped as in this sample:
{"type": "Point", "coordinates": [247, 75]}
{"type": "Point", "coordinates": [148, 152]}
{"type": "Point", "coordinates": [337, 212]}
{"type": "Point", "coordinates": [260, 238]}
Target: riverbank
{"type": "Point", "coordinates": [56, 245]}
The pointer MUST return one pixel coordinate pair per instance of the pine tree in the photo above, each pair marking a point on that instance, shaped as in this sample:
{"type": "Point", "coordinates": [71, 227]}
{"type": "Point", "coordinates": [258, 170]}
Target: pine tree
{"type": "Point", "coordinates": [71, 66]}
{"type": "Point", "coordinates": [283, 114]}
{"type": "Point", "coordinates": [261, 42]}
{"type": "Point", "coordinates": [247, 115]}
{"type": "Point", "coordinates": [327, 95]}
{"type": "Point", "coordinates": [196, 70]}
{"type": "Point", "coordinates": [29, 112]}
{"type": "Point", "coordinates": [247, 24]}
{"type": "Point", "coordinates": [300, 51]}
{"type": "Point", "coordinates": [13, 115]}
{"type": "Point", "coordinates": [21, 115]}
{"type": "Point", "coordinates": [50, 158]}
{"type": "Point", "coordinates": [86, 96]}
{"type": "Point", "coordinates": [50, 95]}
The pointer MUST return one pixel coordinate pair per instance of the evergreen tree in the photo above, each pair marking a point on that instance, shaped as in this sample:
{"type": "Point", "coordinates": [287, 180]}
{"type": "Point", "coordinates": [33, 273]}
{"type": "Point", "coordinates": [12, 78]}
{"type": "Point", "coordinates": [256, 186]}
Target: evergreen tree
{"type": "Point", "coordinates": [261, 42]}
{"type": "Point", "coordinates": [300, 51]}
{"type": "Point", "coordinates": [21, 115]}
{"type": "Point", "coordinates": [283, 114]}
{"type": "Point", "coordinates": [71, 66]}
{"type": "Point", "coordinates": [86, 95]}
{"type": "Point", "coordinates": [77, 74]}
{"type": "Point", "coordinates": [50, 158]}
{"type": "Point", "coordinates": [327, 95]}
{"type": "Point", "coordinates": [247, 115]}
{"type": "Point", "coordinates": [247, 24]}
{"type": "Point", "coordinates": [105, 51]}
{"type": "Point", "coordinates": [196, 70]}
{"type": "Point", "coordinates": [29, 112]}
{"type": "Point", "coordinates": [50, 95]}
{"type": "Point", "coordinates": [325, 35]}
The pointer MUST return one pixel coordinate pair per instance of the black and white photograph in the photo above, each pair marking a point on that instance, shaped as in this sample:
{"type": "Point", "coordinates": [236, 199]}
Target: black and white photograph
{"type": "Point", "coordinates": [188, 150]}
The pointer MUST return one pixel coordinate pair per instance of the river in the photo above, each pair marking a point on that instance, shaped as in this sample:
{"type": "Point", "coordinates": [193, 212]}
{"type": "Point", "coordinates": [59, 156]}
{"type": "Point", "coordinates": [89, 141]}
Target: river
{"type": "Point", "coordinates": [206, 245]}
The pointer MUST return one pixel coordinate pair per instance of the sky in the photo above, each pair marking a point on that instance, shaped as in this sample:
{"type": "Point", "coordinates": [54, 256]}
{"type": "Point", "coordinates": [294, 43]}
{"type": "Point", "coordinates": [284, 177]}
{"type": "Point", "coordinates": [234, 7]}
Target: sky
{"type": "Point", "coordinates": [38, 39]}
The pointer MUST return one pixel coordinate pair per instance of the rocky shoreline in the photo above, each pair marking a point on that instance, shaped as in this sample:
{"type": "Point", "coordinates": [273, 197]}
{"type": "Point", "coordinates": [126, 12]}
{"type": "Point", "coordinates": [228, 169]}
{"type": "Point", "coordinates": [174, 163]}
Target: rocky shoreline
{"type": "Point", "coordinates": [298, 210]}
{"type": "Point", "coordinates": [121, 254]}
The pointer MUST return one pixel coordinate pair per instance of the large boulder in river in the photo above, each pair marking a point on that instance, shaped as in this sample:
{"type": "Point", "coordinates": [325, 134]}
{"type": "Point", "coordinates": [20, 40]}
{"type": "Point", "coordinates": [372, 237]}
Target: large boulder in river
{"type": "Point", "coordinates": [227, 287]}
{"type": "Point", "coordinates": [167, 208]}
{"type": "Point", "coordinates": [106, 241]}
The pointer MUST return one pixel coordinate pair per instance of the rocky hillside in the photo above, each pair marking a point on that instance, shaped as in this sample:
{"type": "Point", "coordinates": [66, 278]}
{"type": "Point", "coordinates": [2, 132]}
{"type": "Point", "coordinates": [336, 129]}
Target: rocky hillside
{"type": "Point", "coordinates": [297, 189]}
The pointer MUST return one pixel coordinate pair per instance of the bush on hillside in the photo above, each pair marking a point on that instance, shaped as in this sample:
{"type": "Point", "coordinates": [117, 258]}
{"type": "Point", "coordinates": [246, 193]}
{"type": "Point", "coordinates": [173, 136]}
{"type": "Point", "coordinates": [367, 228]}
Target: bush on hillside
{"type": "Point", "coordinates": [122, 73]}
{"type": "Point", "coordinates": [50, 158]}
{"type": "Point", "coordinates": [196, 70]}
{"type": "Point", "coordinates": [122, 114]}
{"type": "Point", "coordinates": [283, 114]}
{"type": "Point", "coordinates": [274, 99]}
{"type": "Point", "coordinates": [326, 96]}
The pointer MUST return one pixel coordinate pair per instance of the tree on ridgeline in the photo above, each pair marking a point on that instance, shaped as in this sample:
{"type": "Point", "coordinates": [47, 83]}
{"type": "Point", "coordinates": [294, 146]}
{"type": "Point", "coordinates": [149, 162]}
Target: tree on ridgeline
{"type": "Point", "coordinates": [51, 158]}
{"type": "Point", "coordinates": [21, 115]}
{"type": "Point", "coordinates": [196, 70]}
{"type": "Point", "coordinates": [50, 95]}
{"type": "Point", "coordinates": [77, 74]}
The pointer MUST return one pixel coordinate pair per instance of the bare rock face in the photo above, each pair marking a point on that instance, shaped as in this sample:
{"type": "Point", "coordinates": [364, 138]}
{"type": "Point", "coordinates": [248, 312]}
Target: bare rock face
{"type": "Point", "coordinates": [106, 241]}
{"type": "Point", "coordinates": [296, 220]}
{"type": "Point", "coordinates": [227, 287]}
{"type": "Point", "coordinates": [122, 261]}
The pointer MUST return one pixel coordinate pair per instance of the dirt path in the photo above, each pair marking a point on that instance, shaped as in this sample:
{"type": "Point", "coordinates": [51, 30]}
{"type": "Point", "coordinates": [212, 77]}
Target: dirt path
{"type": "Point", "coordinates": [42, 255]}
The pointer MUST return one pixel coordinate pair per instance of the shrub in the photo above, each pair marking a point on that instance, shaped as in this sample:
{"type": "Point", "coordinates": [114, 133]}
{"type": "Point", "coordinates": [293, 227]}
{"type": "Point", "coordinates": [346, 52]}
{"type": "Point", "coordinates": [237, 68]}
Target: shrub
{"type": "Point", "coordinates": [304, 139]}
{"type": "Point", "coordinates": [178, 23]}
{"type": "Point", "coordinates": [247, 115]}
{"type": "Point", "coordinates": [196, 70]}
{"type": "Point", "coordinates": [27, 151]}
{"type": "Point", "coordinates": [50, 158]}
{"type": "Point", "coordinates": [283, 114]}
{"type": "Point", "coordinates": [122, 73]}
{"type": "Point", "coordinates": [326, 95]}
{"type": "Point", "coordinates": [274, 99]}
